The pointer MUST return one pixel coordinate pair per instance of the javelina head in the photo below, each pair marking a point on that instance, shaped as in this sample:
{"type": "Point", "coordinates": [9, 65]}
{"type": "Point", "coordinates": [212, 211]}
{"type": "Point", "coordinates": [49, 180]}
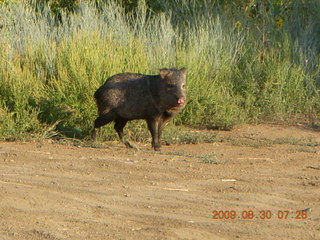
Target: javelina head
{"type": "Point", "coordinates": [174, 84]}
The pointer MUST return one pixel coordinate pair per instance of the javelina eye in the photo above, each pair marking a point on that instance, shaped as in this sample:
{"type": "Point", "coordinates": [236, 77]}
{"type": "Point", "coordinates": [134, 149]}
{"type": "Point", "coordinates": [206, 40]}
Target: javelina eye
{"type": "Point", "coordinates": [183, 86]}
{"type": "Point", "coordinates": [170, 85]}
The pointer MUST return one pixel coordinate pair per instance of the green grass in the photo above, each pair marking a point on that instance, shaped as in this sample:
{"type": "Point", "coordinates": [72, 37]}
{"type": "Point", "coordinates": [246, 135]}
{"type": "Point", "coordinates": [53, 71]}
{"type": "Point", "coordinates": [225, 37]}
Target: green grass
{"type": "Point", "coordinates": [240, 68]}
{"type": "Point", "coordinates": [261, 142]}
{"type": "Point", "coordinates": [205, 158]}
{"type": "Point", "coordinates": [307, 150]}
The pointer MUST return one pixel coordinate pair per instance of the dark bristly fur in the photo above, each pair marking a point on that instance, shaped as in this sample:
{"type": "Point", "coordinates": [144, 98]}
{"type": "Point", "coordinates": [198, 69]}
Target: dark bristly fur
{"type": "Point", "coordinates": [155, 98]}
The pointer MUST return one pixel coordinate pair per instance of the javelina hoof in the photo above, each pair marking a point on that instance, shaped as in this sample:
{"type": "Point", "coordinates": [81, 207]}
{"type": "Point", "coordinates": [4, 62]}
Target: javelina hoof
{"type": "Point", "coordinates": [129, 145]}
{"type": "Point", "coordinates": [157, 148]}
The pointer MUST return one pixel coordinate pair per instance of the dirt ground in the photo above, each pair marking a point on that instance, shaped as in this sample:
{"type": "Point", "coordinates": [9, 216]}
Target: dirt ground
{"type": "Point", "coordinates": [54, 191]}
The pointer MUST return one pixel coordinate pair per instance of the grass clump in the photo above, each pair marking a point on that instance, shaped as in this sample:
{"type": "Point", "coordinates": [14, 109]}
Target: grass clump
{"type": "Point", "coordinates": [245, 63]}
{"type": "Point", "coordinates": [205, 158]}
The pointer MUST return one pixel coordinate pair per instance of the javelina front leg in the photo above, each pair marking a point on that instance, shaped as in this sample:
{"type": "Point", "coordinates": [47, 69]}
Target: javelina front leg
{"type": "Point", "coordinates": [153, 128]}
{"type": "Point", "coordinates": [118, 126]}
{"type": "Point", "coordinates": [162, 122]}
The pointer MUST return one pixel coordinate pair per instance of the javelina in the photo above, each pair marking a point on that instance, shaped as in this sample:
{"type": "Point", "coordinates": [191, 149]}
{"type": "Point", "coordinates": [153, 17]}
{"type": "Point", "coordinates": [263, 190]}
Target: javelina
{"type": "Point", "coordinates": [128, 96]}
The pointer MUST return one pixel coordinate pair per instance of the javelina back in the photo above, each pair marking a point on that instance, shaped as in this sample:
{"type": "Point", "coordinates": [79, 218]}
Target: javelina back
{"type": "Point", "coordinates": [155, 98]}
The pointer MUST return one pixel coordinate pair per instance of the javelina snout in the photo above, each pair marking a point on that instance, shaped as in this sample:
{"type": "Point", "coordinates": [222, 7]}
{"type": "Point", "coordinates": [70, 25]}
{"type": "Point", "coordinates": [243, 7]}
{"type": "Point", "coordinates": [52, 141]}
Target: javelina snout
{"type": "Point", "coordinates": [128, 96]}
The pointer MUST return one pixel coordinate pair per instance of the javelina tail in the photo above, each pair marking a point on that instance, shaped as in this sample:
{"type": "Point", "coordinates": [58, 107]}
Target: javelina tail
{"type": "Point", "coordinates": [96, 94]}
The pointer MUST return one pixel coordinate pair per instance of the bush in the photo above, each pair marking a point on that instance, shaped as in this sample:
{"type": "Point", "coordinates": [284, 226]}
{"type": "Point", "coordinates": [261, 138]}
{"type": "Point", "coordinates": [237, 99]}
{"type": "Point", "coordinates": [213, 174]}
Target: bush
{"type": "Point", "coordinates": [244, 63]}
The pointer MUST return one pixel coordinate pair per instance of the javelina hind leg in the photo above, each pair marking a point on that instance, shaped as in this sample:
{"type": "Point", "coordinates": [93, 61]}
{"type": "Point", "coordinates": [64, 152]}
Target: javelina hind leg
{"type": "Point", "coordinates": [101, 121]}
{"type": "Point", "coordinates": [118, 126]}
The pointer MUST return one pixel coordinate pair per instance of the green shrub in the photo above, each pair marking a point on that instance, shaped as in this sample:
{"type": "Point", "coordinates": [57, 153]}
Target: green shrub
{"type": "Point", "coordinates": [246, 63]}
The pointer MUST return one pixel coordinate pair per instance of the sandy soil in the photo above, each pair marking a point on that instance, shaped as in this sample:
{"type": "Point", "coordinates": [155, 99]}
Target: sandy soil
{"type": "Point", "coordinates": [53, 191]}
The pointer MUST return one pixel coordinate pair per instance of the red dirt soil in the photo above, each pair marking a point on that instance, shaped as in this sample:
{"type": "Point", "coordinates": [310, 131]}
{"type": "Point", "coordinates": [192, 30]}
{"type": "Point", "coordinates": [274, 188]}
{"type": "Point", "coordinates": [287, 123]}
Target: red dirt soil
{"type": "Point", "coordinates": [54, 191]}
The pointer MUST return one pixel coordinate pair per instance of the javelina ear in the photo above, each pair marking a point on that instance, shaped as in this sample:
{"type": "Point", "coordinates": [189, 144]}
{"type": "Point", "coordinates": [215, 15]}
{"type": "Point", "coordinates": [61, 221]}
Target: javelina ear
{"type": "Point", "coordinates": [164, 72]}
{"type": "Point", "coordinates": [183, 70]}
